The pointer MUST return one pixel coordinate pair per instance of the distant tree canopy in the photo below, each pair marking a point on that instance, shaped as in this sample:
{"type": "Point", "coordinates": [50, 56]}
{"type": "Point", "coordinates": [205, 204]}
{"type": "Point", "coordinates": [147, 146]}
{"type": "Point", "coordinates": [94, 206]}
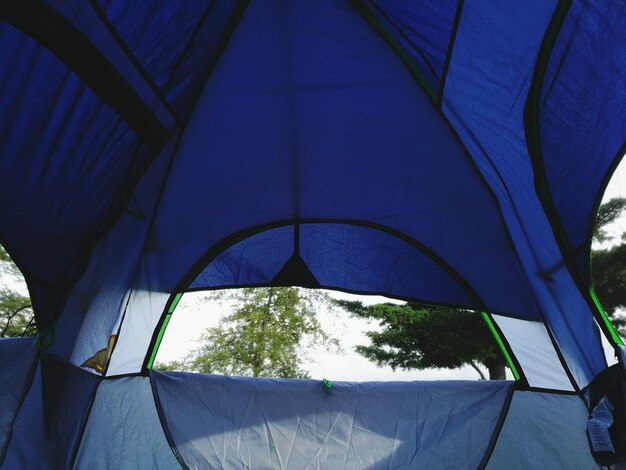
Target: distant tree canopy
{"type": "Point", "coordinates": [608, 265]}
{"type": "Point", "coordinates": [264, 336]}
{"type": "Point", "coordinates": [416, 336]}
{"type": "Point", "coordinates": [16, 314]}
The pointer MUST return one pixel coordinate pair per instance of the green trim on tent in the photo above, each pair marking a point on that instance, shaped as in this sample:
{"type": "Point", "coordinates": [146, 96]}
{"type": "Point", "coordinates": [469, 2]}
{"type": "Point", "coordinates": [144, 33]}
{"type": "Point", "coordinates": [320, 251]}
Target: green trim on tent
{"type": "Point", "coordinates": [496, 335]}
{"type": "Point", "coordinates": [174, 303]}
{"type": "Point", "coordinates": [159, 337]}
{"type": "Point", "coordinates": [609, 326]}
{"type": "Point", "coordinates": [158, 341]}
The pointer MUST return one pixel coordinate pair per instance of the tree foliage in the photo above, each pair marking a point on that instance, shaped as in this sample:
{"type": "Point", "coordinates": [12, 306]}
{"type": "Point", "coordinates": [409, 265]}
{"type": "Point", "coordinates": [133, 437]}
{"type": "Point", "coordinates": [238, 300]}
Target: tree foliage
{"type": "Point", "coordinates": [608, 213]}
{"type": "Point", "coordinates": [608, 265]}
{"type": "Point", "coordinates": [416, 336]}
{"type": "Point", "coordinates": [16, 314]}
{"type": "Point", "coordinates": [266, 334]}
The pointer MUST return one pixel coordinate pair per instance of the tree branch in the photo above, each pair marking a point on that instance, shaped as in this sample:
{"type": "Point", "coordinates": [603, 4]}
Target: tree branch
{"type": "Point", "coordinates": [480, 372]}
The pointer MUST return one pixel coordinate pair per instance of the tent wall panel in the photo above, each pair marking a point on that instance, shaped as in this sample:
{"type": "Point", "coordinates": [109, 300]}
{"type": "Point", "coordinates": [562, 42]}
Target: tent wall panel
{"type": "Point", "coordinates": [489, 116]}
{"type": "Point", "coordinates": [18, 361]}
{"type": "Point", "coordinates": [586, 71]}
{"type": "Point", "coordinates": [236, 422]}
{"type": "Point", "coordinates": [28, 447]}
{"type": "Point", "coordinates": [48, 428]}
{"type": "Point", "coordinates": [96, 303]}
{"type": "Point", "coordinates": [423, 29]}
{"type": "Point", "coordinates": [533, 348]}
{"type": "Point", "coordinates": [299, 111]}
{"type": "Point", "coordinates": [177, 43]}
{"type": "Point", "coordinates": [56, 188]}
{"type": "Point", "coordinates": [543, 430]}
{"type": "Point", "coordinates": [124, 430]}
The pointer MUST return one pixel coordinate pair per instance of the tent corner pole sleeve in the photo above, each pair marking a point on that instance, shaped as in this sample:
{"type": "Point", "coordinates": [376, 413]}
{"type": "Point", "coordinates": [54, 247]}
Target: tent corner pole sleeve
{"type": "Point", "coordinates": [59, 36]}
{"type": "Point", "coordinates": [370, 17]}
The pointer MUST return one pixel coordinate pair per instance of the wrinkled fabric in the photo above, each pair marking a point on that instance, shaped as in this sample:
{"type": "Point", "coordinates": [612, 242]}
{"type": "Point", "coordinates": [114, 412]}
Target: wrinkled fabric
{"type": "Point", "coordinates": [236, 422]}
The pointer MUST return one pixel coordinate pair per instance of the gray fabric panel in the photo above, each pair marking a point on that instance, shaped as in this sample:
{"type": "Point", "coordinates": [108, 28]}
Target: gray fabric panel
{"type": "Point", "coordinates": [543, 430]}
{"type": "Point", "coordinates": [236, 422]}
{"type": "Point", "coordinates": [17, 365]}
{"type": "Point", "coordinates": [124, 431]}
{"type": "Point", "coordinates": [28, 448]}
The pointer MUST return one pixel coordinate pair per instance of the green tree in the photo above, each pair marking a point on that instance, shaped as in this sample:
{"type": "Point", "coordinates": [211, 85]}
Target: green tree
{"type": "Point", "coordinates": [608, 265]}
{"type": "Point", "coordinates": [16, 314]}
{"type": "Point", "coordinates": [416, 336]}
{"type": "Point", "coordinates": [266, 334]}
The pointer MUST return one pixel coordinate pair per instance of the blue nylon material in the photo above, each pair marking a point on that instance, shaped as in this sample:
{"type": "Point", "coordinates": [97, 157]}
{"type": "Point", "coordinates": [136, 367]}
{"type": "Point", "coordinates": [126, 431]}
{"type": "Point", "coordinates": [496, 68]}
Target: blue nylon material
{"type": "Point", "coordinates": [86, 20]}
{"type": "Point", "coordinates": [90, 314]}
{"type": "Point", "coordinates": [543, 430]}
{"type": "Point", "coordinates": [17, 363]}
{"type": "Point", "coordinates": [422, 28]}
{"type": "Point", "coordinates": [29, 433]}
{"type": "Point", "coordinates": [489, 117]}
{"type": "Point", "coordinates": [240, 422]}
{"type": "Point", "coordinates": [309, 114]}
{"type": "Point", "coordinates": [58, 188]}
{"type": "Point", "coordinates": [124, 430]}
{"type": "Point", "coordinates": [339, 255]}
{"type": "Point", "coordinates": [247, 262]}
{"type": "Point", "coordinates": [49, 425]}
{"type": "Point", "coordinates": [329, 126]}
{"type": "Point", "coordinates": [63, 156]}
{"type": "Point", "coordinates": [175, 42]}
{"type": "Point", "coordinates": [582, 97]}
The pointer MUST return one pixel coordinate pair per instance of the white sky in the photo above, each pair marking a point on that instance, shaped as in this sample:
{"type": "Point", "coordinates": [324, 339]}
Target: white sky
{"type": "Point", "coordinates": [193, 316]}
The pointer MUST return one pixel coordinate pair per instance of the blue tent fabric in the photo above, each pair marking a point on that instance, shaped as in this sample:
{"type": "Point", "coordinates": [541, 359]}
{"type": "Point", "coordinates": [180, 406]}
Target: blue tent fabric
{"type": "Point", "coordinates": [489, 117]}
{"type": "Point", "coordinates": [309, 131]}
{"type": "Point", "coordinates": [448, 152]}
{"type": "Point", "coordinates": [273, 423]}
{"type": "Point", "coordinates": [357, 266]}
{"type": "Point", "coordinates": [581, 139]}
{"type": "Point", "coordinates": [29, 433]}
{"type": "Point", "coordinates": [136, 441]}
{"type": "Point", "coordinates": [424, 30]}
{"type": "Point", "coordinates": [49, 425]}
{"type": "Point", "coordinates": [552, 428]}
{"type": "Point", "coordinates": [18, 360]}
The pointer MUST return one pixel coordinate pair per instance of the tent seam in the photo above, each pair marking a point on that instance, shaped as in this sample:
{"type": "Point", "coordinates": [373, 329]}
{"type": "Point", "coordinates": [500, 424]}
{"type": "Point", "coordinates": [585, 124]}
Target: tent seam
{"type": "Point", "coordinates": [219, 247]}
{"type": "Point", "coordinates": [535, 152]}
{"type": "Point", "coordinates": [498, 428]}
{"type": "Point", "coordinates": [27, 387]}
{"type": "Point", "coordinates": [148, 79]}
{"type": "Point", "coordinates": [451, 44]}
{"type": "Point", "coordinates": [164, 425]}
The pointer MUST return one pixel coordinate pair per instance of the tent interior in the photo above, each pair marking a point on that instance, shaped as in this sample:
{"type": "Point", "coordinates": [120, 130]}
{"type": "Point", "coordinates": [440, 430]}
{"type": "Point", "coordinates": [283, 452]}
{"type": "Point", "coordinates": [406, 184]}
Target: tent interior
{"type": "Point", "coordinates": [453, 153]}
